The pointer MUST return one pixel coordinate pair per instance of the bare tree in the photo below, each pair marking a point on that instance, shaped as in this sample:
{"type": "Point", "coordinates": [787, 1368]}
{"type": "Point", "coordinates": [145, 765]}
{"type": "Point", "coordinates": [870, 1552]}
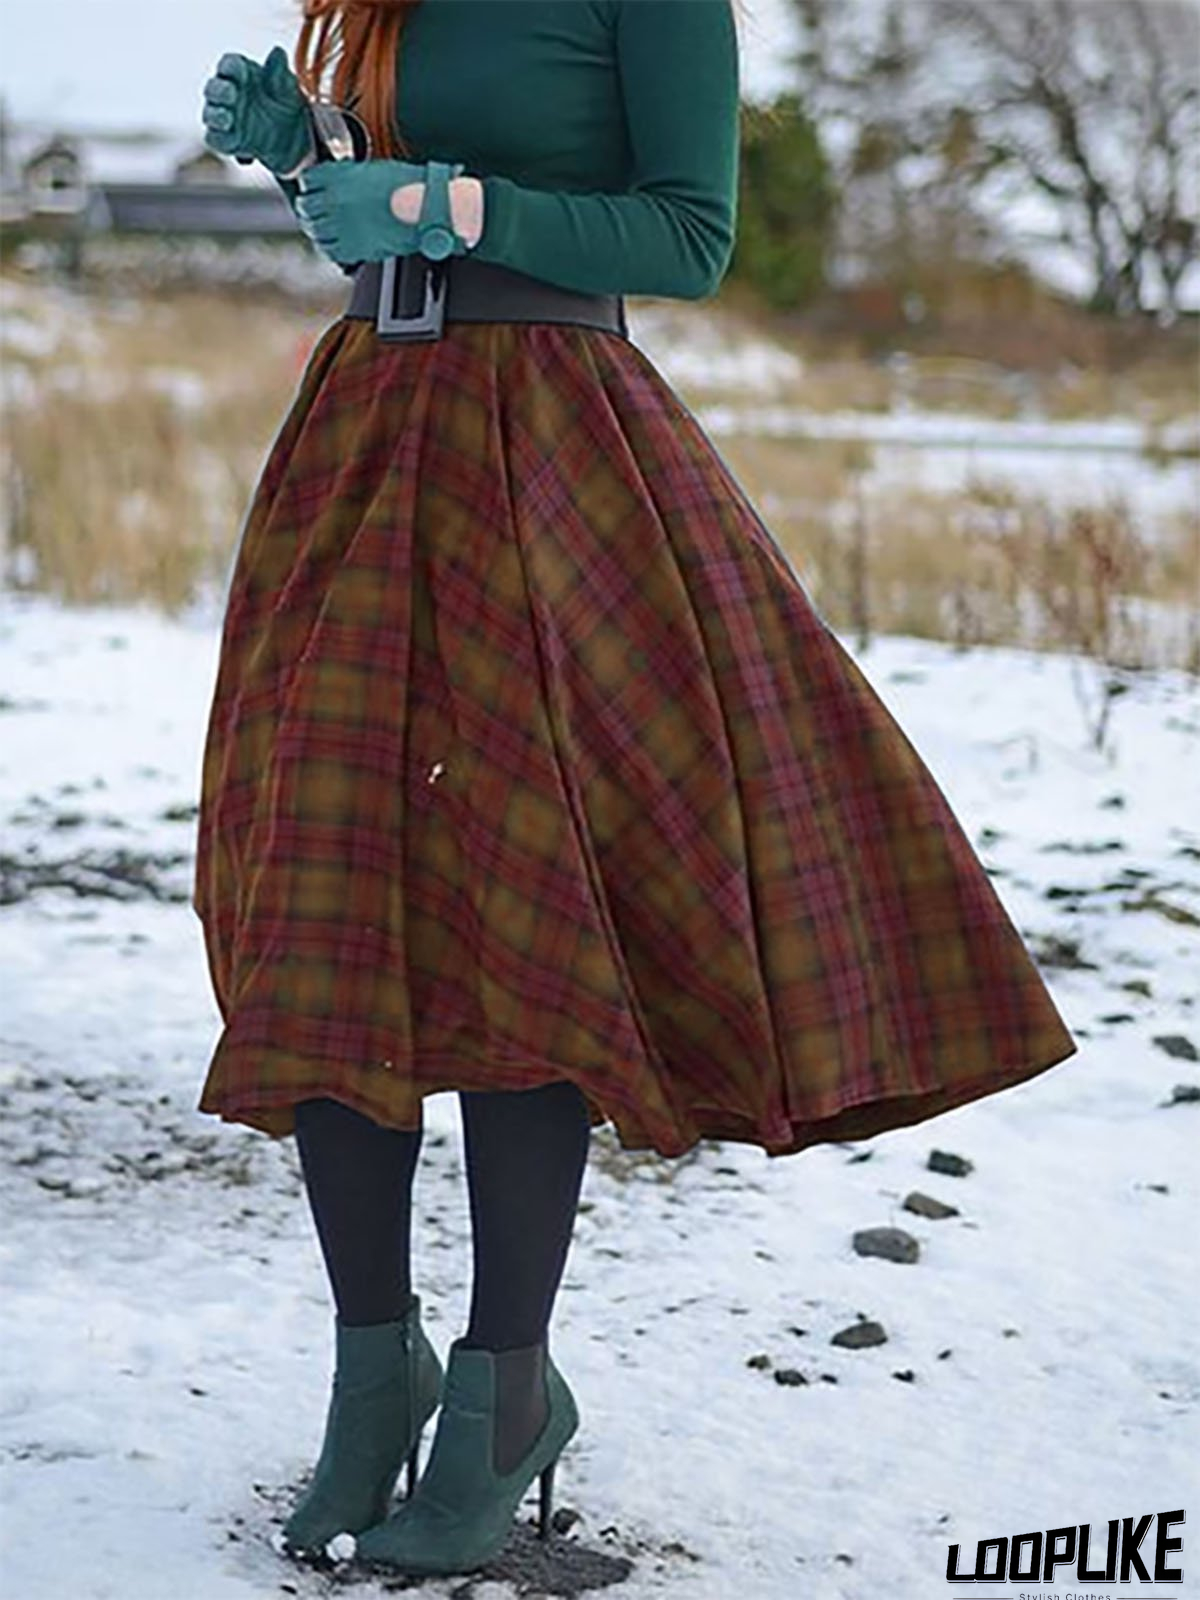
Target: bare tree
{"type": "Point", "coordinates": [1096, 105]}
{"type": "Point", "coordinates": [863, 72]}
{"type": "Point", "coordinates": [1089, 107]}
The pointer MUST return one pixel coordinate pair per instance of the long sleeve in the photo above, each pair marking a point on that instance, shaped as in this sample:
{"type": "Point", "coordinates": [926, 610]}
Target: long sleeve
{"type": "Point", "coordinates": [672, 231]}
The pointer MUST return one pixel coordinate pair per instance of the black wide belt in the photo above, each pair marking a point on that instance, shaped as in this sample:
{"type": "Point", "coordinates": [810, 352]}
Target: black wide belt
{"type": "Point", "coordinates": [410, 297]}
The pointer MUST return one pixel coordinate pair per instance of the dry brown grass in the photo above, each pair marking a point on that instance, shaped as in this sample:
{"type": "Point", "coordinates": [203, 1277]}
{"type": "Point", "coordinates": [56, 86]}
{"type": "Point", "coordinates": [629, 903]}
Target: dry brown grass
{"type": "Point", "coordinates": [134, 432]}
{"type": "Point", "coordinates": [133, 436]}
{"type": "Point", "coordinates": [984, 565]}
{"type": "Point", "coordinates": [991, 341]}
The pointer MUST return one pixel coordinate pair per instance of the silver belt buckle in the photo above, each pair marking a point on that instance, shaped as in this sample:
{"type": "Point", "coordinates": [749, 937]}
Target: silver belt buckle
{"type": "Point", "coordinates": [400, 275]}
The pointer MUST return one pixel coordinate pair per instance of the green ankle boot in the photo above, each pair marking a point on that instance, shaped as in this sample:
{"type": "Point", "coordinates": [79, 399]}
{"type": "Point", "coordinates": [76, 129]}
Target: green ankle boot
{"type": "Point", "coordinates": [386, 1385]}
{"type": "Point", "coordinates": [463, 1508]}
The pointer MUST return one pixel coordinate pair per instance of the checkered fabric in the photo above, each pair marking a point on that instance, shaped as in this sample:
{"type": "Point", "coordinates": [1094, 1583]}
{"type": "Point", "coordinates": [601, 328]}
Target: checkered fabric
{"type": "Point", "coordinates": [529, 758]}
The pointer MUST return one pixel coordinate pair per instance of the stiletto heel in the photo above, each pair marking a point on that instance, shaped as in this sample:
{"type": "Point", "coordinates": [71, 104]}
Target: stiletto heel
{"type": "Point", "coordinates": [545, 1499]}
{"type": "Point", "coordinates": [463, 1509]}
{"type": "Point", "coordinates": [411, 1470]}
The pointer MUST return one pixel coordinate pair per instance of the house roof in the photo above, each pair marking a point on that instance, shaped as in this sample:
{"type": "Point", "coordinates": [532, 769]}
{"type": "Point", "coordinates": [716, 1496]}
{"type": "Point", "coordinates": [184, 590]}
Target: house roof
{"type": "Point", "coordinates": [203, 208]}
{"type": "Point", "coordinates": [109, 156]}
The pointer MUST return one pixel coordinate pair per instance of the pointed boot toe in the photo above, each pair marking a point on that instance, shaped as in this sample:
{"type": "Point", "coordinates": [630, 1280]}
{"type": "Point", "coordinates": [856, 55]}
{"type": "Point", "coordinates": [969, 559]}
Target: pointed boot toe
{"type": "Point", "coordinates": [386, 1385]}
{"type": "Point", "coordinates": [463, 1508]}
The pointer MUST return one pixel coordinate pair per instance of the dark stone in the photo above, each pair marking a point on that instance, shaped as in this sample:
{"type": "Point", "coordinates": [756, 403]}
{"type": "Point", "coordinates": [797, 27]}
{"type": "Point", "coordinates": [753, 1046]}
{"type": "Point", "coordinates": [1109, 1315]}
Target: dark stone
{"type": "Point", "coordinates": [860, 1335]}
{"type": "Point", "coordinates": [893, 1244]}
{"type": "Point", "coordinates": [1177, 1045]}
{"type": "Point", "coordinates": [924, 1205]}
{"type": "Point", "coordinates": [947, 1162]}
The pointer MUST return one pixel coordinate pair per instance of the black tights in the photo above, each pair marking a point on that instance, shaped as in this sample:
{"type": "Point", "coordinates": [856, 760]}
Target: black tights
{"type": "Point", "coordinates": [525, 1154]}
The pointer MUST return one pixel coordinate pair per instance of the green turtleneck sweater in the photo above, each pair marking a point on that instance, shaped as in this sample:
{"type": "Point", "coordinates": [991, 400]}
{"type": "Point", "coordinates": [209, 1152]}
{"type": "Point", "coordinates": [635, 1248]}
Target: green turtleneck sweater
{"type": "Point", "coordinates": [605, 134]}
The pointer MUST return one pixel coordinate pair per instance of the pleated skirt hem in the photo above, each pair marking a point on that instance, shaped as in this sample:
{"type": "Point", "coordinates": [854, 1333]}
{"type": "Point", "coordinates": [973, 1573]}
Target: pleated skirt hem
{"type": "Point", "coordinates": [393, 1099]}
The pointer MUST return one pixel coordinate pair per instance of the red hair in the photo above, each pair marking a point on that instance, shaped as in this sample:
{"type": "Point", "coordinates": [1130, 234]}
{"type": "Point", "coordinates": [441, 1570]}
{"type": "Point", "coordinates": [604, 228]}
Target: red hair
{"type": "Point", "coordinates": [359, 40]}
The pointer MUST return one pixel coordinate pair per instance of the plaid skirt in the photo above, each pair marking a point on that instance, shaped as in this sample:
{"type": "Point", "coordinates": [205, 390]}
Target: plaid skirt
{"type": "Point", "coordinates": [530, 758]}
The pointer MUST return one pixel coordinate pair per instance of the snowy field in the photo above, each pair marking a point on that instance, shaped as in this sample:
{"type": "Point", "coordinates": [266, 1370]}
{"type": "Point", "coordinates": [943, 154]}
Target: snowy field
{"type": "Point", "coordinates": [1154, 469]}
{"type": "Point", "coordinates": [168, 1332]}
{"type": "Point", "coordinates": [1070, 464]}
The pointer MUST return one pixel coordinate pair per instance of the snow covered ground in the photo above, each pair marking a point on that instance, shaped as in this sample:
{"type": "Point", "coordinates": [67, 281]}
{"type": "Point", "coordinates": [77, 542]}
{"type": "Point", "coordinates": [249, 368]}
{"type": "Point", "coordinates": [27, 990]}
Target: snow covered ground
{"type": "Point", "coordinates": [168, 1332]}
{"type": "Point", "coordinates": [1095, 463]}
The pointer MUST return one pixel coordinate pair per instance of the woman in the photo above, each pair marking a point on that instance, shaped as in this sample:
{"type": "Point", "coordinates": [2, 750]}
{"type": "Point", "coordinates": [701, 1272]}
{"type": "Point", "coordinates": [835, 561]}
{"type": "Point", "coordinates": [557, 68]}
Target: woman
{"type": "Point", "coordinates": [532, 771]}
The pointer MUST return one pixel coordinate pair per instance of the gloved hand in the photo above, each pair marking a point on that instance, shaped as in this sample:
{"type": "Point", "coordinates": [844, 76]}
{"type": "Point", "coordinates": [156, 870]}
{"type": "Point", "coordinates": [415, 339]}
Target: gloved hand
{"type": "Point", "coordinates": [345, 208]}
{"type": "Point", "coordinates": [258, 112]}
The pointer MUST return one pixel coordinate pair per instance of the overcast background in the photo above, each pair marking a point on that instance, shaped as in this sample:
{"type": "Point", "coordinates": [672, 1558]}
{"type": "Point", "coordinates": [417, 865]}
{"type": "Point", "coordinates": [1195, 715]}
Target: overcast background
{"type": "Point", "coordinates": [140, 63]}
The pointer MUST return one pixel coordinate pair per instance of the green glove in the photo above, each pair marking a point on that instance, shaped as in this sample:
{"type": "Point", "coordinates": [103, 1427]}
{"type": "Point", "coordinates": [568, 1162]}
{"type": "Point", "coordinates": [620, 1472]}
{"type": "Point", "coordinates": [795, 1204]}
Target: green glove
{"type": "Point", "coordinates": [258, 112]}
{"type": "Point", "coordinates": [345, 208]}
